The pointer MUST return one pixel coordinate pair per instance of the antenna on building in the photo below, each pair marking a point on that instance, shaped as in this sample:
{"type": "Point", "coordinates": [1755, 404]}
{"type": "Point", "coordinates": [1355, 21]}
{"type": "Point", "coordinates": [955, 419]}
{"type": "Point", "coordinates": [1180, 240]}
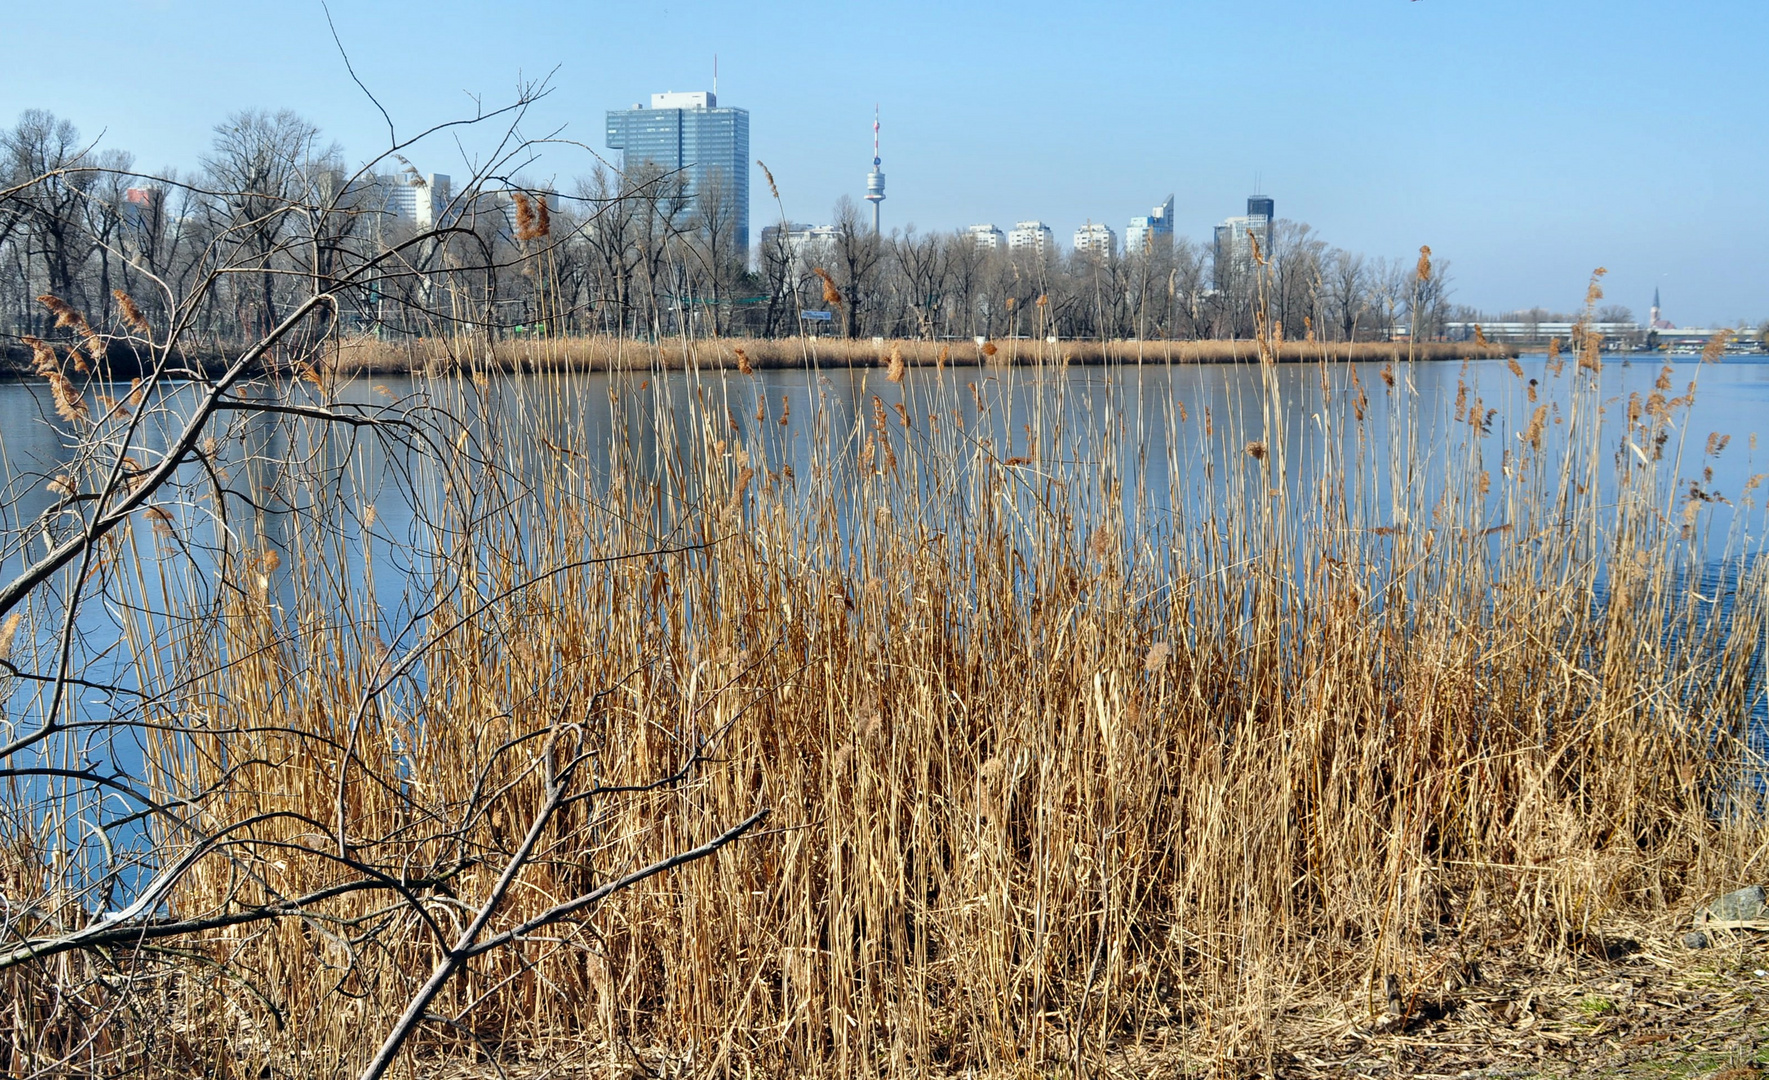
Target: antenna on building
{"type": "Point", "coordinates": [875, 180]}
{"type": "Point", "coordinates": [715, 75]}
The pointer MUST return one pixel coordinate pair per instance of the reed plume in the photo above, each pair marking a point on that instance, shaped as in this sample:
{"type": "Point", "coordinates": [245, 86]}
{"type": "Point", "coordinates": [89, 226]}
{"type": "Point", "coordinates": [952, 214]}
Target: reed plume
{"type": "Point", "coordinates": [525, 224]}
{"type": "Point", "coordinates": [66, 316]}
{"type": "Point", "coordinates": [132, 314]}
{"type": "Point", "coordinates": [8, 632]}
{"type": "Point", "coordinates": [69, 405]}
{"type": "Point", "coordinates": [831, 295]}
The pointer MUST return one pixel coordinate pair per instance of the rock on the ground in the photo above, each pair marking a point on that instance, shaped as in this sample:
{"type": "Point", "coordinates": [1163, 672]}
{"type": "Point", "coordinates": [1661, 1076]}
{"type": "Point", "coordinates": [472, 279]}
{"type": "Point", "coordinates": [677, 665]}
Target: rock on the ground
{"type": "Point", "coordinates": [1695, 940]}
{"type": "Point", "coordinates": [1741, 905]}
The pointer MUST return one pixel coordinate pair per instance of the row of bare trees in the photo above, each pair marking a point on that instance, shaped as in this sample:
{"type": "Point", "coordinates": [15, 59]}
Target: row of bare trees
{"type": "Point", "coordinates": [634, 253]}
{"type": "Point", "coordinates": [638, 255]}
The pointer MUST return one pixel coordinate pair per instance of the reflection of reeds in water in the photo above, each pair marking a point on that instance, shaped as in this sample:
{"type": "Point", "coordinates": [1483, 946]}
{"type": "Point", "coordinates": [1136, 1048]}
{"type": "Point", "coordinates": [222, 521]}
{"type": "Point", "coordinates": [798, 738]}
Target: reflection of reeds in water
{"type": "Point", "coordinates": [1044, 781]}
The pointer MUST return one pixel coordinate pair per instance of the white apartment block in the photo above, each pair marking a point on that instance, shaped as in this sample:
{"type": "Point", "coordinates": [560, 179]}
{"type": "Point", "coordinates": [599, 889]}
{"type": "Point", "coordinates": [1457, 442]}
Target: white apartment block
{"type": "Point", "coordinates": [1034, 236]}
{"type": "Point", "coordinates": [987, 237]}
{"type": "Point", "coordinates": [1096, 240]}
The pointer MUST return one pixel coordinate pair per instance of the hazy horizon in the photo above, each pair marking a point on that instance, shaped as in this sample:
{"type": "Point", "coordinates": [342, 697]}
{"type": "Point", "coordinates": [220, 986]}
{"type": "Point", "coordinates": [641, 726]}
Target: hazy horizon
{"type": "Point", "coordinates": [1525, 146]}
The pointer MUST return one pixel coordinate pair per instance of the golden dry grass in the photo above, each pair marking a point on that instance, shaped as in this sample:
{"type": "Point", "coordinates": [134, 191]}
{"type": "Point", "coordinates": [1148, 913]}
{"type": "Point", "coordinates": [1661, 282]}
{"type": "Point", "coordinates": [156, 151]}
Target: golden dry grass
{"type": "Point", "coordinates": [369, 356]}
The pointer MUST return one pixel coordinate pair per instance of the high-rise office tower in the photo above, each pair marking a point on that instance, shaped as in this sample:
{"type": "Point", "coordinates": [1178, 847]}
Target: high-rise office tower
{"type": "Point", "coordinates": [1235, 237]}
{"type": "Point", "coordinates": [419, 200]}
{"type": "Point", "coordinates": [690, 134]}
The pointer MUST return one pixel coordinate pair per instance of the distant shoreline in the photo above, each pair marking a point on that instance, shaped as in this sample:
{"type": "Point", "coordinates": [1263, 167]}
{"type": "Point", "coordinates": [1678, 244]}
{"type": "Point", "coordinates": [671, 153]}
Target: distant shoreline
{"type": "Point", "coordinates": [367, 356]}
{"type": "Point", "coordinates": [591, 354]}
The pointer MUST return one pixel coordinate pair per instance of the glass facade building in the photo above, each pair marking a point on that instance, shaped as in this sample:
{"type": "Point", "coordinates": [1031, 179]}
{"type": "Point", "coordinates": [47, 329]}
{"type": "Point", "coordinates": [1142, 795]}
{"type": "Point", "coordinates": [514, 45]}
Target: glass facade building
{"type": "Point", "coordinates": [691, 134]}
{"type": "Point", "coordinates": [1151, 233]}
{"type": "Point", "coordinates": [1235, 237]}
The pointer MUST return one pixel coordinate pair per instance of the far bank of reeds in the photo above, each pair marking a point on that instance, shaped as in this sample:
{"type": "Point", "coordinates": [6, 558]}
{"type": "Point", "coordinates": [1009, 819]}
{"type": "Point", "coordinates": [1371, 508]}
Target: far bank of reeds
{"type": "Point", "coordinates": [369, 356]}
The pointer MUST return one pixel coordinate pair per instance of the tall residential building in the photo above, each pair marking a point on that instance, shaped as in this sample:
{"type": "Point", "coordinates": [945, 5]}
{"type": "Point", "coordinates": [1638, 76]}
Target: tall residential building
{"type": "Point", "coordinates": [1233, 244]}
{"type": "Point", "coordinates": [987, 237]}
{"type": "Point", "coordinates": [688, 132]}
{"type": "Point", "coordinates": [1034, 236]}
{"type": "Point", "coordinates": [1156, 229]}
{"type": "Point", "coordinates": [1096, 239]}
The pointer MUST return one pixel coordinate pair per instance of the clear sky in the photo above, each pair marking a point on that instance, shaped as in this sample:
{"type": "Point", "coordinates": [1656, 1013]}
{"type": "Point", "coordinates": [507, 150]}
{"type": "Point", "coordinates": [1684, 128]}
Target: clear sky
{"type": "Point", "coordinates": [1527, 141]}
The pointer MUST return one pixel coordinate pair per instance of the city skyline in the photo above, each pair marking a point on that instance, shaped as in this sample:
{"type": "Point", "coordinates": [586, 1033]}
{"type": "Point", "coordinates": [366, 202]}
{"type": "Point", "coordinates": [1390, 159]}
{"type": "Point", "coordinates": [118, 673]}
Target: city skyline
{"type": "Point", "coordinates": [1523, 159]}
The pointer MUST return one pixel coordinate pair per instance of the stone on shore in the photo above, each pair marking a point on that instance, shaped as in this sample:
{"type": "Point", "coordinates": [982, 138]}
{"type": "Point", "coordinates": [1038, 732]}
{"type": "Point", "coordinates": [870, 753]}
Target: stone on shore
{"type": "Point", "coordinates": [1742, 905]}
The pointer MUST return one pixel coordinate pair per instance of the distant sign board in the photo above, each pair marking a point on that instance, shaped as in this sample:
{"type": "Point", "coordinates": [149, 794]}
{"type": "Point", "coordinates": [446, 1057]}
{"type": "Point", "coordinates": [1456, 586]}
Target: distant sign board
{"type": "Point", "coordinates": [816, 316]}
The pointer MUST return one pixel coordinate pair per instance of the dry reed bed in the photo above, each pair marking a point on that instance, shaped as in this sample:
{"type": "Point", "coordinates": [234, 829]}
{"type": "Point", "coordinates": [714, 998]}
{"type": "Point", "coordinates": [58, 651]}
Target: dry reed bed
{"type": "Point", "coordinates": [1046, 786]}
{"type": "Point", "coordinates": [366, 356]}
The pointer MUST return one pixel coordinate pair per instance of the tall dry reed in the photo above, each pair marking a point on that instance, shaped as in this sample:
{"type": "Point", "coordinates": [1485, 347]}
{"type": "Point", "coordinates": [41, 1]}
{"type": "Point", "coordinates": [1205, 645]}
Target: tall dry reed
{"type": "Point", "coordinates": [1053, 771]}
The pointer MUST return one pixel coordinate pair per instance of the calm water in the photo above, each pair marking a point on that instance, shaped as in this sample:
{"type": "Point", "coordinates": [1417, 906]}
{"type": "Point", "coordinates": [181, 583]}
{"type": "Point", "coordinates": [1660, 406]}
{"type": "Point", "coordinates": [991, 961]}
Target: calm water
{"type": "Point", "coordinates": [1125, 420]}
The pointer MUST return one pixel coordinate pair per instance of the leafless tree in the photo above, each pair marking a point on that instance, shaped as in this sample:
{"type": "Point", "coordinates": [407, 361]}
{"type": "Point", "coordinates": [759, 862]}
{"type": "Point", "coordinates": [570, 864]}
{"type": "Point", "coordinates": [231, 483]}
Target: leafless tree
{"type": "Point", "coordinates": [147, 642]}
{"type": "Point", "coordinates": [262, 169]}
{"type": "Point", "coordinates": [858, 254]}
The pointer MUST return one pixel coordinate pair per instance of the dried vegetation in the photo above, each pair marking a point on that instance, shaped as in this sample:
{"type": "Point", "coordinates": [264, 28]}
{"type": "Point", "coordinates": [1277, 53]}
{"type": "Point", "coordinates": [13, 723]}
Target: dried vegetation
{"type": "Point", "coordinates": [1330, 753]}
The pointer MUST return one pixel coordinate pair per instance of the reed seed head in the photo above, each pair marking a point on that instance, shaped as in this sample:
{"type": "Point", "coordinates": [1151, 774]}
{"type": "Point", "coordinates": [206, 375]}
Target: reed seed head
{"type": "Point", "coordinates": [132, 315]}
{"type": "Point", "coordinates": [524, 217]}
{"type": "Point", "coordinates": [9, 631]}
{"type": "Point", "coordinates": [831, 295]}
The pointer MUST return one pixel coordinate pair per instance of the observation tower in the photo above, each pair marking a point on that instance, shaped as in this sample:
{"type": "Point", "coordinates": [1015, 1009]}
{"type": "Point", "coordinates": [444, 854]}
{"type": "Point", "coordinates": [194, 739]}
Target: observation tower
{"type": "Point", "coordinates": [875, 178]}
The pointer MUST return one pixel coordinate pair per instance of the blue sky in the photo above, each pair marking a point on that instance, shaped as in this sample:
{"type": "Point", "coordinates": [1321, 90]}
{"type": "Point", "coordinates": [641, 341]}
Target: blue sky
{"type": "Point", "coordinates": [1527, 141]}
